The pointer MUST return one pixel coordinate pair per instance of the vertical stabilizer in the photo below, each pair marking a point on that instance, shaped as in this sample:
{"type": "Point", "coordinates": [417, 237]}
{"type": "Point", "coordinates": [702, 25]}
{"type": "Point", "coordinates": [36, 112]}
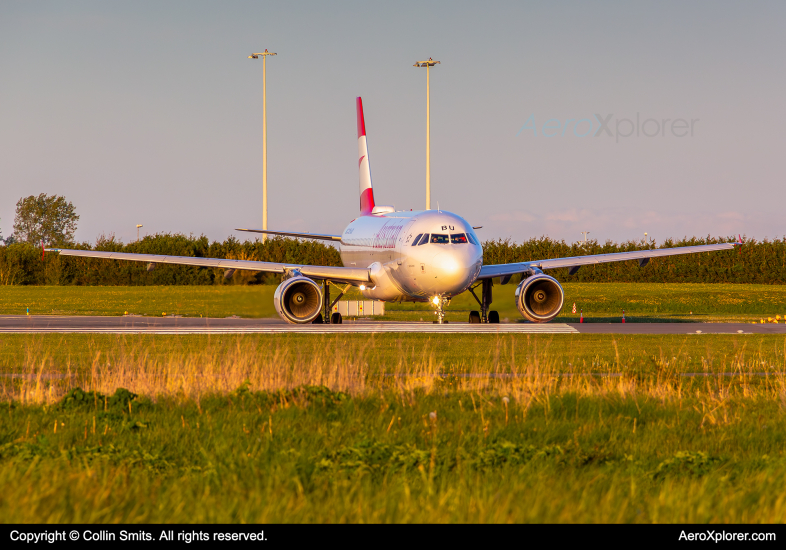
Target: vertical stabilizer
{"type": "Point", "coordinates": [366, 191]}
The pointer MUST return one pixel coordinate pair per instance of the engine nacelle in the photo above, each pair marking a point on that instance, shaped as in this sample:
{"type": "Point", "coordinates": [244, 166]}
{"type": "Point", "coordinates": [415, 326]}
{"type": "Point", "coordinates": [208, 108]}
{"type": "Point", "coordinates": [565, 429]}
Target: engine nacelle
{"type": "Point", "coordinates": [298, 300]}
{"type": "Point", "coordinates": [384, 288]}
{"type": "Point", "coordinates": [539, 298]}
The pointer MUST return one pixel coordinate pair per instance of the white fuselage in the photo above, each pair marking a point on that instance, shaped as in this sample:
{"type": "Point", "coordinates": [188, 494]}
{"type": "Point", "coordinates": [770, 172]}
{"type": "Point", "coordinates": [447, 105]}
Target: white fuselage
{"type": "Point", "coordinates": [445, 265]}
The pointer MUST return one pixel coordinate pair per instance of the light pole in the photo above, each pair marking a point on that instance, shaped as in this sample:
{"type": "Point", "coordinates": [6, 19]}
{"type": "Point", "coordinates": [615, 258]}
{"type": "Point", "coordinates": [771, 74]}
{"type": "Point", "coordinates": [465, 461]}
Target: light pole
{"type": "Point", "coordinates": [585, 233]}
{"type": "Point", "coordinates": [264, 136]}
{"type": "Point", "coordinates": [428, 64]}
{"type": "Point", "coordinates": [137, 231]}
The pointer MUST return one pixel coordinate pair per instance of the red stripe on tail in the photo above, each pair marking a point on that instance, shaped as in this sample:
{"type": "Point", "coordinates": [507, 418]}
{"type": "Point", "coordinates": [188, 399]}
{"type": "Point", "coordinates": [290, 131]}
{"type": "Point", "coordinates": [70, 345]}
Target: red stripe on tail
{"type": "Point", "coordinates": [361, 120]}
{"type": "Point", "coordinates": [367, 201]}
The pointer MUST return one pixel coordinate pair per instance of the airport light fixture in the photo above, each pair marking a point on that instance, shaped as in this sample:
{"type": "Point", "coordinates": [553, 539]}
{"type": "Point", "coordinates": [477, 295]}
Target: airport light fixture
{"type": "Point", "coordinates": [264, 135]}
{"type": "Point", "coordinates": [428, 64]}
{"type": "Point", "coordinates": [137, 231]}
{"type": "Point", "coordinates": [585, 233]}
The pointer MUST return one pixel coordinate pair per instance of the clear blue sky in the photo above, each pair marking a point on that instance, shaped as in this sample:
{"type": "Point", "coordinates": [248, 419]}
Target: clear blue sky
{"type": "Point", "coordinates": [150, 112]}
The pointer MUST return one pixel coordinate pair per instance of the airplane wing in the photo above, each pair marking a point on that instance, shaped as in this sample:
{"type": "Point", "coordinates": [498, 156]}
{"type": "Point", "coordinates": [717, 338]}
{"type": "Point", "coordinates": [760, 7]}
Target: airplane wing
{"type": "Point", "coordinates": [298, 235]}
{"type": "Point", "coordinates": [503, 270]}
{"type": "Point", "coordinates": [338, 274]}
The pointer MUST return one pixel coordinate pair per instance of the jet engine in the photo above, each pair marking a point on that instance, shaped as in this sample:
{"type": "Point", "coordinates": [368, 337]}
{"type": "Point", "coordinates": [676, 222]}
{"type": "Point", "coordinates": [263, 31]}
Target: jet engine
{"type": "Point", "coordinates": [298, 300]}
{"type": "Point", "coordinates": [539, 298]}
{"type": "Point", "coordinates": [384, 287]}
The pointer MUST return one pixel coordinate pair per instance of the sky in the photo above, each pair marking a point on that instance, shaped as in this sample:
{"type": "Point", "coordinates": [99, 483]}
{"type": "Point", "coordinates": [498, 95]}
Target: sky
{"type": "Point", "coordinates": [150, 113]}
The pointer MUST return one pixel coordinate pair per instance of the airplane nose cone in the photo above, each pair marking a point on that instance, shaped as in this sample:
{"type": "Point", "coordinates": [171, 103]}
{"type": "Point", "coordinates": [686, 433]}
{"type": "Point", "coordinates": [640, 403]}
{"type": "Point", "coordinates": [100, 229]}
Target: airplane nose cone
{"type": "Point", "coordinates": [447, 264]}
{"type": "Point", "coordinates": [454, 270]}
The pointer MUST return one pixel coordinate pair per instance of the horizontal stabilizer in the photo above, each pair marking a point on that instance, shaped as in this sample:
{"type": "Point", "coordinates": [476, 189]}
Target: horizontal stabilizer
{"type": "Point", "coordinates": [293, 234]}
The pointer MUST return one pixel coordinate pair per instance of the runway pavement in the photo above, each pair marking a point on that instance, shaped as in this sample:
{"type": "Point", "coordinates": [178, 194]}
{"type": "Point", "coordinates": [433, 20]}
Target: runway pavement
{"type": "Point", "coordinates": [678, 328]}
{"type": "Point", "coordinates": [37, 324]}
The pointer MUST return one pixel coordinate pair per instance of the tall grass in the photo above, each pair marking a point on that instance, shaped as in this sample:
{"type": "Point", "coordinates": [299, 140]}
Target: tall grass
{"type": "Point", "coordinates": [242, 432]}
{"type": "Point", "coordinates": [522, 370]}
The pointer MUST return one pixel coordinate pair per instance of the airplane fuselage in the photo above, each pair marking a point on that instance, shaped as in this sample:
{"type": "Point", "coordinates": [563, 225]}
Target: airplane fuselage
{"type": "Point", "coordinates": [413, 256]}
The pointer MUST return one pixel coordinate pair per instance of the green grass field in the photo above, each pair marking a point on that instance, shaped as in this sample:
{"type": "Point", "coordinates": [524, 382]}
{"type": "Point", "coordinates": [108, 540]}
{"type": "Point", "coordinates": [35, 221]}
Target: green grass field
{"type": "Point", "coordinates": [600, 302]}
{"type": "Point", "coordinates": [393, 428]}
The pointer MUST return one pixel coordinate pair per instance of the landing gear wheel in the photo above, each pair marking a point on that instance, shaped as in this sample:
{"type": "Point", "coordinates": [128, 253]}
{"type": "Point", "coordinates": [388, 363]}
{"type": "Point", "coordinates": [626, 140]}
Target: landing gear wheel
{"type": "Point", "coordinates": [474, 317]}
{"type": "Point", "coordinates": [494, 317]}
{"type": "Point", "coordinates": [318, 320]}
{"type": "Point", "coordinates": [335, 319]}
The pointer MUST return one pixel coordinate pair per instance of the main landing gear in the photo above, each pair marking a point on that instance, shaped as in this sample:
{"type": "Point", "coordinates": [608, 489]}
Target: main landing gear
{"type": "Point", "coordinates": [484, 316]}
{"type": "Point", "coordinates": [326, 317]}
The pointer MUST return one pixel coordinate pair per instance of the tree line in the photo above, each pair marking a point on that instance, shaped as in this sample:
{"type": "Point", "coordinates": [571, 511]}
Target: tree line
{"type": "Point", "coordinates": [760, 262]}
{"type": "Point", "coordinates": [21, 263]}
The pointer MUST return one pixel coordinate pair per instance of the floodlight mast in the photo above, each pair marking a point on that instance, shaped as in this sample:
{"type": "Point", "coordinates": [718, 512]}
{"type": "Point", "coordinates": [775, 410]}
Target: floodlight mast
{"type": "Point", "coordinates": [264, 136]}
{"type": "Point", "coordinates": [428, 64]}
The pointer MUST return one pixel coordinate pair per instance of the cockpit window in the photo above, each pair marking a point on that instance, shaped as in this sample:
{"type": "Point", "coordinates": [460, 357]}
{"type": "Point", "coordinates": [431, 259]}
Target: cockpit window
{"type": "Point", "coordinates": [440, 239]}
{"type": "Point", "coordinates": [472, 239]}
{"type": "Point", "coordinates": [424, 240]}
{"type": "Point", "coordinates": [458, 238]}
{"type": "Point", "coordinates": [415, 242]}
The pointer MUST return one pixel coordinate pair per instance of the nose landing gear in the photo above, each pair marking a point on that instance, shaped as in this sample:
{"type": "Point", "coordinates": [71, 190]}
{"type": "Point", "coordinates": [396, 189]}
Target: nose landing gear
{"type": "Point", "coordinates": [440, 303]}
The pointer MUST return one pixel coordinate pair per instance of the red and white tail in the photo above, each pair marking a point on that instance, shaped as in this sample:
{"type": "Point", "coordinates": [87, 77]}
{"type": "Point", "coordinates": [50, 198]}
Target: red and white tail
{"type": "Point", "coordinates": [366, 191]}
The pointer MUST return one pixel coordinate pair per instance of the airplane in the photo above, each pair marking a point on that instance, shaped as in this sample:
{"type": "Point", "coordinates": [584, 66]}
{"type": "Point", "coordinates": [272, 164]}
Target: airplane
{"type": "Point", "coordinates": [394, 256]}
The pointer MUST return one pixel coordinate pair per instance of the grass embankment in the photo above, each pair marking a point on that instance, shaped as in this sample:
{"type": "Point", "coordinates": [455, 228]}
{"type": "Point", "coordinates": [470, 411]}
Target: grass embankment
{"type": "Point", "coordinates": [189, 301]}
{"type": "Point", "coordinates": [265, 429]}
{"type": "Point", "coordinates": [642, 302]}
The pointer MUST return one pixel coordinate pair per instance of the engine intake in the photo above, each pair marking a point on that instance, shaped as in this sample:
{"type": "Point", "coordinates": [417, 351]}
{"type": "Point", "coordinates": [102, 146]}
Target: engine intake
{"type": "Point", "coordinates": [539, 298]}
{"type": "Point", "coordinates": [298, 300]}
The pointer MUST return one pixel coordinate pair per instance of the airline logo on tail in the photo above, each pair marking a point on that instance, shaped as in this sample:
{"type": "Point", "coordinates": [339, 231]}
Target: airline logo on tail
{"type": "Point", "coordinates": [366, 191]}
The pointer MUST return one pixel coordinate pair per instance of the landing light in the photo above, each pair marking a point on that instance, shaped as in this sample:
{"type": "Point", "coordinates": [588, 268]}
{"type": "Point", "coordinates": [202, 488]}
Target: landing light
{"type": "Point", "coordinates": [435, 300]}
{"type": "Point", "coordinates": [362, 287]}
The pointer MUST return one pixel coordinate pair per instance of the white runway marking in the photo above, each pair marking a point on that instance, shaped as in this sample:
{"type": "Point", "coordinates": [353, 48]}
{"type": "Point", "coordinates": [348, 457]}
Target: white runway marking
{"type": "Point", "coordinates": [360, 328]}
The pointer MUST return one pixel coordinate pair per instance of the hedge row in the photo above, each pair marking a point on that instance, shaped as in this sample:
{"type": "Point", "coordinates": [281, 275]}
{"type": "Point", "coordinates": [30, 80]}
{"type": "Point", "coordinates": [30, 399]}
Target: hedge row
{"type": "Point", "coordinates": [755, 262]}
{"type": "Point", "coordinates": [20, 264]}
